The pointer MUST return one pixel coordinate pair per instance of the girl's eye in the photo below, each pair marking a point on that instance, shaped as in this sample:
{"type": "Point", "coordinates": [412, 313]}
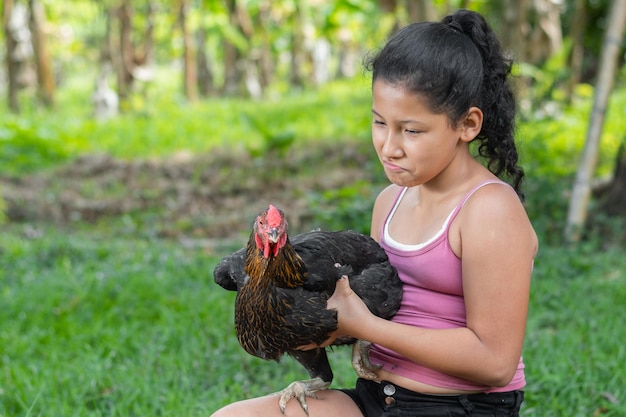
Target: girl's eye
{"type": "Point", "coordinates": [413, 132]}
{"type": "Point", "coordinates": [378, 122]}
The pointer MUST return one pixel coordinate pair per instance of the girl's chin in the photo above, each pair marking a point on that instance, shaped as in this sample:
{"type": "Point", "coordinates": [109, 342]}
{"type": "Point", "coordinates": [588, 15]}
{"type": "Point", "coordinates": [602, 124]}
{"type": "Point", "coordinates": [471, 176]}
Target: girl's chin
{"type": "Point", "coordinates": [400, 180]}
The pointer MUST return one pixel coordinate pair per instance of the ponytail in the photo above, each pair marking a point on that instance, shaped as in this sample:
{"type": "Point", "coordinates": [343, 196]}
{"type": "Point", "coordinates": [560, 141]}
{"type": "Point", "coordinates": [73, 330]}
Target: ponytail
{"type": "Point", "coordinates": [496, 138]}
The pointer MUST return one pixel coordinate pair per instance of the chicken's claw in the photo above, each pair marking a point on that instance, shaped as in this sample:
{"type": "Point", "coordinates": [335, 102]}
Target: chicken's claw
{"type": "Point", "coordinates": [361, 360]}
{"type": "Point", "coordinates": [300, 390]}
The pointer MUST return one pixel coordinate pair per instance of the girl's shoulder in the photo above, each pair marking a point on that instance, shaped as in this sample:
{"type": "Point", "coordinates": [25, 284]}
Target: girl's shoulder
{"type": "Point", "coordinates": [492, 194]}
{"type": "Point", "coordinates": [383, 204]}
{"type": "Point", "coordinates": [387, 197]}
{"type": "Point", "coordinates": [493, 211]}
{"type": "Point", "coordinates": [488, 200]}
{"type": "Point", "coordinates": [495, 206]}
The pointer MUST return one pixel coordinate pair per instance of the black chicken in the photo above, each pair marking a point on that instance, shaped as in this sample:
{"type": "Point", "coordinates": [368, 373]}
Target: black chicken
{"type": "Point", "coordinates": [283, 288]}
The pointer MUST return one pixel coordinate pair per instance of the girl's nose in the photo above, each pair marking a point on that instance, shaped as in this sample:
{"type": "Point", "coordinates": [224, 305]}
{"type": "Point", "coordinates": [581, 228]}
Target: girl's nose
{"type": "Point", "coordinates": [392, 147]}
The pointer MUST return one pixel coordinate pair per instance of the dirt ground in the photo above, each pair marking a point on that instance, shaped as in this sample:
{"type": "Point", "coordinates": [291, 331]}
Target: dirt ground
{"type": "Point", "coordinates": [211, 196]}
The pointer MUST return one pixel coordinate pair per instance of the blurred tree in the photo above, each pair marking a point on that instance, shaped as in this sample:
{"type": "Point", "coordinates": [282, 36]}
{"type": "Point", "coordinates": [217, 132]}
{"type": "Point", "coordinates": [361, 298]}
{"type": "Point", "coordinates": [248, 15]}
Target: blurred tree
{"type": "Point", "coordinates": [105, 100]}
{"type": "Point", "coordinates": [130, 51]}
{"type": "Point", "coordinates": [614, 203]}
{"type": "Point", "coordinates": [299, 57]}
{"type": "Point", "coordinates": [232, 56]}
{"type": "Point", "coordinates": [419, 10]}
{"type": "Point", "coordinates": [249, 63]}
{"type": "Point", "coordinates": [531, 29]}
{"type": "Point", "coordinates": [123, 55]}
{"type": "Point", "coordinates": [43, 61]}
{"type": "Point", "coordinates": [206, 80]}
{"type": "Point", "coordinates": [19, 47]}
{"type": "Point", "coordinates": [579, 199]}
{"type": "Point", "coordinates": [12, 64]}
{"type": "Point", "coordinates": [190, 77]}
{"type": "Point", "coordinates": [244, 47]}
{"type": "Point", "coordinates": [578, 22]}
{"type": "Point", "coordinates": [264, 52]}
{"type": "Point", "coordinates": [409, 11]}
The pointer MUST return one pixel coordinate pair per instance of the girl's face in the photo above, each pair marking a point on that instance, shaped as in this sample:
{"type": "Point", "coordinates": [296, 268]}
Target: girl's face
{"type": "Point", "coordinates": [414, 144]}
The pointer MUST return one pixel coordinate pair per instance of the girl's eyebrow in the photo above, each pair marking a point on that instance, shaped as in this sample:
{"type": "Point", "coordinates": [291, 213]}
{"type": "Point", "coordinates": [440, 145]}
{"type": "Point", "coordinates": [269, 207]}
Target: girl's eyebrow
{"type": "Point", "coordinates": [401, 121]}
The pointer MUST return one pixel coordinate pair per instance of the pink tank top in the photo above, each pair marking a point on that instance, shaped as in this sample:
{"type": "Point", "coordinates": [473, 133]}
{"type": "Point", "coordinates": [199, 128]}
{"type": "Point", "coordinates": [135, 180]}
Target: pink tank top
{"type": "Point", "coordinates": [433, 298]}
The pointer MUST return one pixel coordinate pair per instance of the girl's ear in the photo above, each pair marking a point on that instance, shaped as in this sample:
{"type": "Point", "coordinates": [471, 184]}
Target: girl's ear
{"type": "Point", "coordinates": [471, 124]}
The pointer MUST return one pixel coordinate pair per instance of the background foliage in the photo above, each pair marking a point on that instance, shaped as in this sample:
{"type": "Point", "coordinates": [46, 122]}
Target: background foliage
{"type": "Point", "coordinates": [115, 312]}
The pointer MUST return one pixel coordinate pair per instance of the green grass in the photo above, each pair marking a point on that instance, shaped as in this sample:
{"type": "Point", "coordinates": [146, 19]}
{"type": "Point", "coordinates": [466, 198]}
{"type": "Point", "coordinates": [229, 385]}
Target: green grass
{"type": "Point", "coordinates": [94, 327]}
{"type": "Point", "coordinates": [575, 353]}
{"type": "Point", "coordinates": [119, 328]}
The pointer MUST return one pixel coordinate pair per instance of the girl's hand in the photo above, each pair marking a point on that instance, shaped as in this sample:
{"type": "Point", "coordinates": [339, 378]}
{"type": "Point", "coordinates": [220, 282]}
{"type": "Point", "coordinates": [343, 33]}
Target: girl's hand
{"type": "Point", "coordinates": [351, 313]}
{"type": "Point", "coordinates": [351, 310]}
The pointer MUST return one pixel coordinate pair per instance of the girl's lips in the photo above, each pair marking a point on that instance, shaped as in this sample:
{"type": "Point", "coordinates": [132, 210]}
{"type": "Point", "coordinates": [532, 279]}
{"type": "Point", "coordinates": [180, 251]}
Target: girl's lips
{"type": "Point", "coordinates": [392, 167]}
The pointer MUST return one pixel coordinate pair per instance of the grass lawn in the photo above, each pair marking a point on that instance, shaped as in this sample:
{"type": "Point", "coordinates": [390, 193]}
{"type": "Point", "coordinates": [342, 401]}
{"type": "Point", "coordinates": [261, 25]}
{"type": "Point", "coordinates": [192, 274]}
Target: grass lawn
{"type": "Point", "coordinates": [98, 327]}
{"type": "Point", "coordinates": [120, 328]}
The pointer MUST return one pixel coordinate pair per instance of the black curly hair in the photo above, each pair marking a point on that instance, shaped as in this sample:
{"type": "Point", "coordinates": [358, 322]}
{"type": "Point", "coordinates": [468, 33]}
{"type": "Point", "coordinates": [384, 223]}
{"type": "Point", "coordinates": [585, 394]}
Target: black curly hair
{"type": "Point", "coordinates": [456, 64]}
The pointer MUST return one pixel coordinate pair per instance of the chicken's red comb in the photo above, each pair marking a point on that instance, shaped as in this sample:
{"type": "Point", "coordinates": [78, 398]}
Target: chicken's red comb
{"type": "Point", "coordinates": [274, 218]}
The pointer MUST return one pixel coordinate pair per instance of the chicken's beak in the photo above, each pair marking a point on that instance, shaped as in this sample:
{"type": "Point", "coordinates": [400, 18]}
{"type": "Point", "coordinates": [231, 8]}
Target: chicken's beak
{"type": "Point", "coordinates": [272, 235]}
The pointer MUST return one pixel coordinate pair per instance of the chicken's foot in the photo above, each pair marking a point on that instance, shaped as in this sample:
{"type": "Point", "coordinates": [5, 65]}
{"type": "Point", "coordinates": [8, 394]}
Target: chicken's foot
{"type": "Point", "coordinates": [300, 390]}
{"type": "Point", "coordinates": [361, 363]}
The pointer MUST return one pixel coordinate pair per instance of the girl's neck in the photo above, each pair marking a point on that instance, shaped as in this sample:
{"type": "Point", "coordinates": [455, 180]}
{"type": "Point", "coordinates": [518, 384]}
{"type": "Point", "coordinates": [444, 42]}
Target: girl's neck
{"type": "Point", "coordinates": [460, 175]}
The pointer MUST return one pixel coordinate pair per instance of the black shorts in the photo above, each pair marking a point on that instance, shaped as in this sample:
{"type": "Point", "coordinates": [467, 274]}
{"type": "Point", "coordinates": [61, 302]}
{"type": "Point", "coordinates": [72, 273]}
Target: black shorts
{"type": "Point", "coordinates": [387, 400]}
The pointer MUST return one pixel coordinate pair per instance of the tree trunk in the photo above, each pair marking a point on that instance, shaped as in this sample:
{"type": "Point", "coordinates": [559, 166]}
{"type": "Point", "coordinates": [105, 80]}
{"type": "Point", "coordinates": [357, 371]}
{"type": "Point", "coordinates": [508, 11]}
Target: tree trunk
{"type": "Point", "coordinates": [125, 59]}
{"type": "Point", "coordinates": [266, 58]}
{"type": "Point", "coordinates": [232, 72]}
{"type": "Point", "coordinates": [577, 33]}
{"type": "Point", "coordinates": [105, 100]}
{"type": "Point", "coordinates": [232, 67]}
{"type": "Point", "coordinates": [206, 85]}
{"type": "Point", "coordinates": [297, 73]}
{"type": "Point", "coordinates": [11, 64]}
{"type": "Point", "coordinates": [250, 61]}
{"type": "Point", "coordinates": [145, 56]}
{"type": "Point", "coordinates": [546, 36]}
{"type": "Point", "coordinates": [190, 77]}
{"type": "Point", "coordinates": [106, 48]}
{"type": "Point", "coordinates": [615, 195]}
{"type": "Point", "coordinates": [516, 28]}
{"type": "Point", "coordinates": [577, 212]}
{"type": "Point", "coordinates": [420, 10]}
{"type": "Point", "coordinates": [43, 63]}
{"type": "Point", "coordinates": [531, 29]}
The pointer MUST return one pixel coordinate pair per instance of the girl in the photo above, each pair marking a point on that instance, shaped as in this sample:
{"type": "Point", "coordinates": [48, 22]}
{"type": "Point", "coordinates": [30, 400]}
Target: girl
{"type": "Point", "coordinates": [458, 235]}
